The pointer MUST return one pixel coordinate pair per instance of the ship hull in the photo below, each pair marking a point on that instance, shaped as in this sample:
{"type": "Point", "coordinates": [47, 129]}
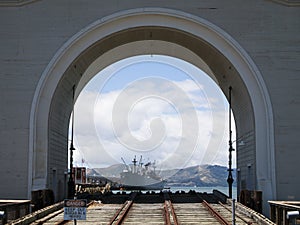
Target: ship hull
{"type": "Point", "coordinates": [132, 181]}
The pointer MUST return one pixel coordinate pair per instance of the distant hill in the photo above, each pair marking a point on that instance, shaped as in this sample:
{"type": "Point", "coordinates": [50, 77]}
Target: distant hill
{"type": "Point", "coordinates": [202, 175]}
{"type": "Point", "coordinates": [111, 171]}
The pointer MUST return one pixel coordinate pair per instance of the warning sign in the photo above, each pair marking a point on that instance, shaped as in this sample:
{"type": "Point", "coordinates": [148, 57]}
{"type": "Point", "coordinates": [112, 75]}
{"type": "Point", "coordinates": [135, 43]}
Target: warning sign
{"type": "Point", "coordinates": [75, 209]}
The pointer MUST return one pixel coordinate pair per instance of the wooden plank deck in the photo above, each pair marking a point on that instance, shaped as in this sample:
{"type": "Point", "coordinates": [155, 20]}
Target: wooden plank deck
{"type": "Point", "coordinates": [187, 214]}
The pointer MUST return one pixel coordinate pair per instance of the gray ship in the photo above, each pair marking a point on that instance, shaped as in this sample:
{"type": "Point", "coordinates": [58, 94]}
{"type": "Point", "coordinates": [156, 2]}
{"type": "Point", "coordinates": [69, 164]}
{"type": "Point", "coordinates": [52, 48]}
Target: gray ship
{"type": "Point", "coordinates": [140, 176]}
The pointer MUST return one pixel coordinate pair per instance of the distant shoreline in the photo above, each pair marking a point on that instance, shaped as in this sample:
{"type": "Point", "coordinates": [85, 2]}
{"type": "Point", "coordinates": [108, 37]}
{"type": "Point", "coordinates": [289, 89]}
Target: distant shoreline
{"type": "Point", "coordinates": [175, 189]}
{"type": "Point", "coordinates": [222, 189]}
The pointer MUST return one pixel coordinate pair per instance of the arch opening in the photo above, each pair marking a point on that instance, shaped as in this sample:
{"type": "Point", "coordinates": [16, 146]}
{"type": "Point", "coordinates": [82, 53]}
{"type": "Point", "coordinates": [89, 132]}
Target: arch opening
{"type": "Point", "coordinates": [149, 83]}
{"type": "Point", "coordinates": [220, 56]}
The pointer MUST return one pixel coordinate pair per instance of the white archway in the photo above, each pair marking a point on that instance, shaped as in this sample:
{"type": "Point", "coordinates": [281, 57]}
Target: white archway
{"type": "Point", "coordinates": [187, 24]}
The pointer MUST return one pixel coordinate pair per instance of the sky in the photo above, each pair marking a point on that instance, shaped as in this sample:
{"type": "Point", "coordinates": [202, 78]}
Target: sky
{"type": "Point", "coordinates": [160, 108]}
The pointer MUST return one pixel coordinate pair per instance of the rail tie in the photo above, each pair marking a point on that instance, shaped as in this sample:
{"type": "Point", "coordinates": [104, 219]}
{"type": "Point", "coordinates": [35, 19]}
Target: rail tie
{"type": "Point", "coordinates": [215, 213]}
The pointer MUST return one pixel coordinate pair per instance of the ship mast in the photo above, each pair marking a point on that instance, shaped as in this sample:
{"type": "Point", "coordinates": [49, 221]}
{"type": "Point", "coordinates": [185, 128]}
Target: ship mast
{"type": "Point", "coordinates": [134, 164]}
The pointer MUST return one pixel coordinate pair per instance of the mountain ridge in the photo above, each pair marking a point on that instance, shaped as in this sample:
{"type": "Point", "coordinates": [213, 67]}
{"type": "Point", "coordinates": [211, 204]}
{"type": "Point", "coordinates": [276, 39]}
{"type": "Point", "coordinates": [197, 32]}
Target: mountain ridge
{"type": "Point", "coordinates": [200, 175]}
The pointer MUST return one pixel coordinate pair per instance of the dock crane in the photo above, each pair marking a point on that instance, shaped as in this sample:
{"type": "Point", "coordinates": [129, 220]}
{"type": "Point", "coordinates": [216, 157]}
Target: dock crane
{"type": "Point", "coordinates": [128, 167]}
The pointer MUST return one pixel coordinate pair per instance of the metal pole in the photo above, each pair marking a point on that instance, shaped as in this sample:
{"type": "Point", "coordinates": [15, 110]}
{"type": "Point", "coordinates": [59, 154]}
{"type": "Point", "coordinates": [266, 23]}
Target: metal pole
{"type": "Point", "coordinates": [71, 183]}
{"type": "Point", "coordinates": [230, 178]}
{"type": "Point", "coordinates": [233, 211]}
{"type": "Point", "coordinates": [75, 221]}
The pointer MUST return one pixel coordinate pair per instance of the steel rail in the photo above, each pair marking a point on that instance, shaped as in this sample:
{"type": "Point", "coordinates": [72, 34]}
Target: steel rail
{"type": "Point", "coordinates": [168, 207]}
{"type": "Point", "coordinates": [166, 214]}
{"type": "Point", "coordinates": [47, 218]}
{"type": "Point", "coordinates": [241, 218]}
{"type": "Point", "coordinates": [215, 213]}
{"type": "Point", "coordinates": [52, 215]}
{"type": "Point", "coordinates": [173, 214]}
{"type": "Point", "coordinates": [121, 213]}
{"type": "Point", "coordinates": [61, 222]}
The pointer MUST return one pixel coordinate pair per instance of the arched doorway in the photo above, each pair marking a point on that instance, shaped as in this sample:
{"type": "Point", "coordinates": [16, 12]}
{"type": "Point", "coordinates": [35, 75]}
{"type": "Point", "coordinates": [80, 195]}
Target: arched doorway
{"type": "Point", "coordinates": [152, 31]}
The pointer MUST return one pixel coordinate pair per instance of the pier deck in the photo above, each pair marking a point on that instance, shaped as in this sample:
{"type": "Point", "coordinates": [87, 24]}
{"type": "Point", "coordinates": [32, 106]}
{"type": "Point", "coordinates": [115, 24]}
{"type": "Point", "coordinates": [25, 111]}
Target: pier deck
{"type": "Point", "coordinates": [138, 213]}
{"type": "Point", "coordinates": [162, 208]}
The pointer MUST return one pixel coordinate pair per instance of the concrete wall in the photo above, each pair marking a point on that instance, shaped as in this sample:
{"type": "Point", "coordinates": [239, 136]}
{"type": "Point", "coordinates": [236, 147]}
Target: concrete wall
{"type": "Point", "coordinates": [33, 32]}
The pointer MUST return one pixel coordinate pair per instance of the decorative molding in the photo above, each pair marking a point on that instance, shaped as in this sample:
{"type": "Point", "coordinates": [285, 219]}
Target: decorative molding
{"type": "Point", "coordinates": [15, 3]}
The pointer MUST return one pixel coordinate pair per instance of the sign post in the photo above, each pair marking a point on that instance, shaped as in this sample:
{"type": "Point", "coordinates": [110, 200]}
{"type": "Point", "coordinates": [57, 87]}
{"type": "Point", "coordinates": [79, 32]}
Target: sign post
{"type": "Point", "coordinates": [75, 209]}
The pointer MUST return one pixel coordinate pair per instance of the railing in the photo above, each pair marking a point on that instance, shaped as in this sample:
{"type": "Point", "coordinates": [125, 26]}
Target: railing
{"type": "Point", "coordinates": [13, 209]}
{"type": "Point", "coordinates": [280, 209]}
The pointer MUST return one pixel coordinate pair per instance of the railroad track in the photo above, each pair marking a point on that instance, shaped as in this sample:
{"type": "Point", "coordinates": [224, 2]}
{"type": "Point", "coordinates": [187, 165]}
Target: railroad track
{"type": "Point", "coordinates": [223, 213]}
{"type": "Point", "coordinates": [120, 215]}
{"type": "Point", "coordinates": [55, 218]}
{"type": "Point", "coordinates": [170, 216]}
{"type": "Point", "coordinates": [167, 213]}
{"type": "Point", "coordinates": [226, 211]}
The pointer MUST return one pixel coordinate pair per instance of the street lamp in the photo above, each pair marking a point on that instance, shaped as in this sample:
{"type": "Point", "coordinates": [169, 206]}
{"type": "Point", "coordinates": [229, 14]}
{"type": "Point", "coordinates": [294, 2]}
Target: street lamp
{"type": "Point", "coordinates": [231, 149]}
{"type": "Point", "coordinates": [71, 183]}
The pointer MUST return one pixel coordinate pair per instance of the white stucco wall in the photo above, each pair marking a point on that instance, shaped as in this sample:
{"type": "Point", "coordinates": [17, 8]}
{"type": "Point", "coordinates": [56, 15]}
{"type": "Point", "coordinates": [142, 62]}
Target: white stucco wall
{"type": "Point", "coordinates": [33, 36]}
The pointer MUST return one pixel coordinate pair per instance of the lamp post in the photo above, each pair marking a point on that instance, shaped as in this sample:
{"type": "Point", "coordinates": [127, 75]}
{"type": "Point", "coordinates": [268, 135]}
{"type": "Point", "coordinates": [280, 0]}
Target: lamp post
{"type": "Point", "coordinates": [230, 178]}
{"type": "Point", "coordinates": [71, 183]}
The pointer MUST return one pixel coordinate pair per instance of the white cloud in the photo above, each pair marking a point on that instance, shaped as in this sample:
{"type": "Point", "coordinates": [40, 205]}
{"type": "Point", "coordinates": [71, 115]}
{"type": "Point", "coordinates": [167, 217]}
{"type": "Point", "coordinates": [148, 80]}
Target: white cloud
{"type": "Point", "coordinates": [174, 130]}
{"type": "Point", "coordinates": [100, 145]}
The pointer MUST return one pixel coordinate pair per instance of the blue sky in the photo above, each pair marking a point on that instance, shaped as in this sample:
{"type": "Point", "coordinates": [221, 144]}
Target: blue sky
{"type": "Point", "coordinates": [160, 107]}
